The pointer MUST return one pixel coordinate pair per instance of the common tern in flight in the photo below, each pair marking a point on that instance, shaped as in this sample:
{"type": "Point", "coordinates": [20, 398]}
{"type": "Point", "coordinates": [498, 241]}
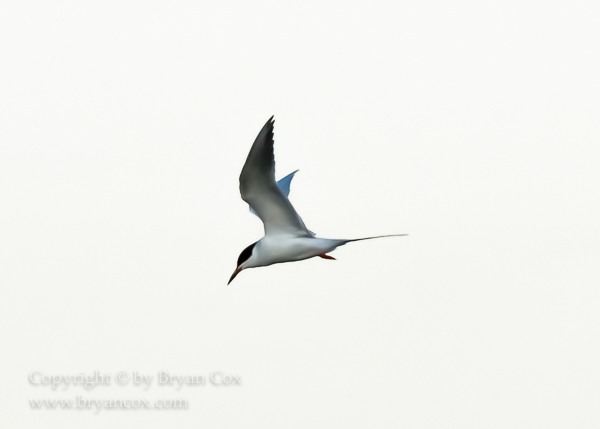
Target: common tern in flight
{"type": "Point", "coordinates": [286, 237]}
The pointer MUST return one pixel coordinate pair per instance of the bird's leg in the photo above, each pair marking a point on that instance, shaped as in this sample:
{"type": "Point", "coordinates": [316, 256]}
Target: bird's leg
{"type": "Point", "coordinates": [324, 256]}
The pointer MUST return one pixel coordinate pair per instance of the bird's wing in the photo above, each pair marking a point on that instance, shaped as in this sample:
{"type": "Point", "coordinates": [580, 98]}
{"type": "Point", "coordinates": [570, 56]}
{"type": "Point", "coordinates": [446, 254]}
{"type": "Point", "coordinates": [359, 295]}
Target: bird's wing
{"type": "Point", "coordinates": [258, 188]}
{"type": "Point", "coordinates": [283, 185]}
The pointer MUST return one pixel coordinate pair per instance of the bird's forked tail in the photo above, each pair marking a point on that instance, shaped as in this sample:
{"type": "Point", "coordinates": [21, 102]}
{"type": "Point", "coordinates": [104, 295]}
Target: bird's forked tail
{"type": "Point", "coordinates": [370, 238]}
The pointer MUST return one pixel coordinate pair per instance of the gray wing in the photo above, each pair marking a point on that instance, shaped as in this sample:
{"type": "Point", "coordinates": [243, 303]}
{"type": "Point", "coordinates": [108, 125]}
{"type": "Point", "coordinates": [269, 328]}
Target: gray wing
{"type": "Point", "coordinates": [259, 190]}
{"type": "Point", "coordinates": [283, 185]}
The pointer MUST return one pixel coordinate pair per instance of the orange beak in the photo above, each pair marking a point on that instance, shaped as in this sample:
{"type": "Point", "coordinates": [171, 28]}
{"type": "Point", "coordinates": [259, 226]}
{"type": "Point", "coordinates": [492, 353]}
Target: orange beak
{"type": "Point", "coordinates": [235, 273]}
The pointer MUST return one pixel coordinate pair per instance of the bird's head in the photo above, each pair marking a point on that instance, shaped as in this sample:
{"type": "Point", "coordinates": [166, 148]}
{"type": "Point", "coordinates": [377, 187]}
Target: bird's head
{"type": "Point", "coordinates": [244, 261]}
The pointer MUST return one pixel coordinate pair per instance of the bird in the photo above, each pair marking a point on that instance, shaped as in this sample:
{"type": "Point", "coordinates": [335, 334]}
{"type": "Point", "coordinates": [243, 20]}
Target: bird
{"type": "Point", "coordinates": [286, 239]}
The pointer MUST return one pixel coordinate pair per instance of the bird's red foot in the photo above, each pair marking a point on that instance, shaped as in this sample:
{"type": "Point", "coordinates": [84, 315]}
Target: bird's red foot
{"type": "Point", "coordinates": [324, 256]}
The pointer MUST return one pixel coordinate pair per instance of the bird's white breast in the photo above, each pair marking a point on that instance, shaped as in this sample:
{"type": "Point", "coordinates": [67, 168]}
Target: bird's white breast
{"type": "Point", "coordinates": [273, 250]}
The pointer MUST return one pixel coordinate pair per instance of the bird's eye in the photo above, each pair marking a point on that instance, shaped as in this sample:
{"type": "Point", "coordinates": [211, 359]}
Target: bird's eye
{"type": "Point", "coordinates": [246, 253]}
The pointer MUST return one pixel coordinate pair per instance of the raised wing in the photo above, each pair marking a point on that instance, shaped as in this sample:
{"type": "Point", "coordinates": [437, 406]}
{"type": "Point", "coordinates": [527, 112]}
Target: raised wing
{"type": "Point", "coordinates": [283, 185]}
{"type": "Point", "coordinates": [258, 188]}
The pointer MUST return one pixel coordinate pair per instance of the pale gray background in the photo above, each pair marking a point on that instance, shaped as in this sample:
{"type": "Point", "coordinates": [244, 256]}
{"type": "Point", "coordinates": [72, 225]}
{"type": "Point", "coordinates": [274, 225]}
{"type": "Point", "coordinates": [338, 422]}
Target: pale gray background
{"type": "Point", "coordinates": [473, 126]}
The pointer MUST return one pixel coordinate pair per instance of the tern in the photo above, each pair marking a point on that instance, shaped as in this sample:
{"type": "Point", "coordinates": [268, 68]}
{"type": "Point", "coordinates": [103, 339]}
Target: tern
{"type": "Point", "coordinates": [286, 237]}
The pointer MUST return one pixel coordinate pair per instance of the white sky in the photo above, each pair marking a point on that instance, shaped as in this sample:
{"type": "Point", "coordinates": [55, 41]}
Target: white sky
{"type": "Point", "coordinates": [472, 126]}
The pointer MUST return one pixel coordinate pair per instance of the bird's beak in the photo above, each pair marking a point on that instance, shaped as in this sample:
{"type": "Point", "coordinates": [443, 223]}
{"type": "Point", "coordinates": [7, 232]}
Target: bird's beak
{"type": "Point", "coordinates": [235, 273]}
